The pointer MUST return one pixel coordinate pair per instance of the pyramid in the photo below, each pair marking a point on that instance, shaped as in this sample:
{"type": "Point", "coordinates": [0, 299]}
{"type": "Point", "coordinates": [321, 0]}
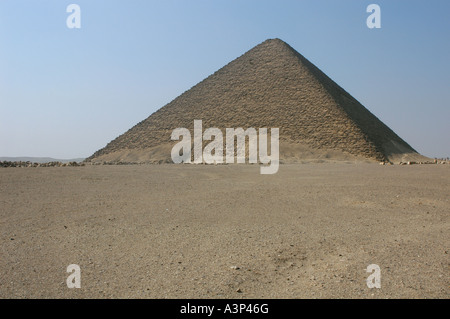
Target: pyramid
{"type": "Point", "coordinates": [270, 86]}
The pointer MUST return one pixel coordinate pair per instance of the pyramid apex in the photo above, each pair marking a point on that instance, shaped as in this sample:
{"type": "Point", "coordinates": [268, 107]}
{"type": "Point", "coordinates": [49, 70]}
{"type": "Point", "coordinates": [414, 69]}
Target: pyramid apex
{"type": "Point", "coordinates": [275, 43]}
{"type": "Point", "coordinates": [275, 40]}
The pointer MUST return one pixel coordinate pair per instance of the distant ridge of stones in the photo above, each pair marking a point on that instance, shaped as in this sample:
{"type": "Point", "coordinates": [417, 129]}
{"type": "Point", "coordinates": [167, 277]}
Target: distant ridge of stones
{"type": "Point", "coordinates": [34, 164]}
{"type": "Point", "coordinates": [271, 85]}
{"type": "Point", "coordinates": [38, 159]}
{"type": "Point", "coordinates": [75, 164]}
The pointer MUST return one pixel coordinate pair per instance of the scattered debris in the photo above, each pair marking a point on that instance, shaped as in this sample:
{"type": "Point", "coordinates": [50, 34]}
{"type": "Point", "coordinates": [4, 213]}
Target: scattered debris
{"type": "Point", "coordinates": [32, 164]}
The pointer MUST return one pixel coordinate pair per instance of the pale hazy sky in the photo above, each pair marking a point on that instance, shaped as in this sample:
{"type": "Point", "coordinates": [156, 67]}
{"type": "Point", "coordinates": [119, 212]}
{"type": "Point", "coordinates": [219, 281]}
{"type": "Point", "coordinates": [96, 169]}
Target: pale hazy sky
{"type": "Point", "coordinates": [66, 93]}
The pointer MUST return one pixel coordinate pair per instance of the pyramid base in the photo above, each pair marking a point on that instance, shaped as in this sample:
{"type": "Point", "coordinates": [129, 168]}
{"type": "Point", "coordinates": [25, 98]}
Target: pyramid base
{"type": "Point", "coordinates": [289, 153]}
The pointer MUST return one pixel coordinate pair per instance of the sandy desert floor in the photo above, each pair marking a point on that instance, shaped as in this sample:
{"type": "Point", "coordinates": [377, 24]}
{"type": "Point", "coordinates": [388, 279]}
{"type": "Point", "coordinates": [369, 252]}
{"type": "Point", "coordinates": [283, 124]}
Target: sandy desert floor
{"type": "Point", "coordinates": [185, 231]}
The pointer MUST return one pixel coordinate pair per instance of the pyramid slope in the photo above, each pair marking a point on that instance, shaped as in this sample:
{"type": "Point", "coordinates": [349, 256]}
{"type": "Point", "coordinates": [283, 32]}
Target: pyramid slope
{"type": "Point", "coordinates": [272, 85]}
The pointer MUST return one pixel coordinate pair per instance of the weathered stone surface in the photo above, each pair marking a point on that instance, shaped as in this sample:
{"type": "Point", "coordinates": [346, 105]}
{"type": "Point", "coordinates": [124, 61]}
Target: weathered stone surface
{"type": "Point", "coordinates": [272, 85]}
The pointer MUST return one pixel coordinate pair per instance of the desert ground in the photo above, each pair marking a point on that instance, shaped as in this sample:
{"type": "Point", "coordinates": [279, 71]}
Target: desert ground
{"type": "Point", "coordinates": [200, 231]}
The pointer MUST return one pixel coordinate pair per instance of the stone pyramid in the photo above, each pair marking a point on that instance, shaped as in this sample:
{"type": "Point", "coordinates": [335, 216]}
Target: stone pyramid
{"type": "Point", "coordinates": [272, 85]}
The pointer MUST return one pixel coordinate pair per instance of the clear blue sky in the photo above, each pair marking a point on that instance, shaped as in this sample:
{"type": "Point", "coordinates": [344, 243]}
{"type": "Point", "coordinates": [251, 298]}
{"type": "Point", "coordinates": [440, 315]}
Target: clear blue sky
{"type": "Point", "coordinates": [66, 93]}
